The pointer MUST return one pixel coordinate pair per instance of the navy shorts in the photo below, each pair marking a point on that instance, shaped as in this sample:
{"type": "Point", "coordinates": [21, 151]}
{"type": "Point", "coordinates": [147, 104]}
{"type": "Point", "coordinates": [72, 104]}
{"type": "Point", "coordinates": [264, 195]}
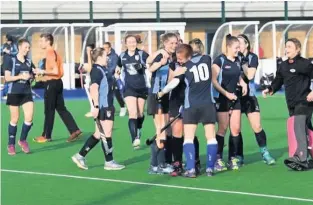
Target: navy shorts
{"type": "Point", "coordinates": [249, 104]}
{"type": "Point", "coordinates": [153, 105]}
{"type": "Point", "coordinates": [223, 104]}
{"type": "Point", "coordinates": [19, 99]}
{"type": "Point", "coordinates": [174, 106]}
{"type": "Point", "coordinates": [106, 113]}
{"type": "Point", "coordinates": [137, 93]}
{"type": "Point", "coordinates": [205, 114]}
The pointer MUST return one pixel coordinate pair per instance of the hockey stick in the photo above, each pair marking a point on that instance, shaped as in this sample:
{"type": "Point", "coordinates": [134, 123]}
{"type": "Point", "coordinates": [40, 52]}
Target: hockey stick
{"type": "Point", "coordinates": [102, 134]}
{"type": "Point", "coordinates": [150, 141]}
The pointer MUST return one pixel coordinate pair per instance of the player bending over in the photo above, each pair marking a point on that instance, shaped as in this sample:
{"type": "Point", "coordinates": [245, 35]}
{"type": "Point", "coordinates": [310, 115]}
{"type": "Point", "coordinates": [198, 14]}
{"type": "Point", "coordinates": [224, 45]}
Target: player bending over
{"type": "Point", "coordinates": [18, 74]}
{"type": "Point", "coordinates": [133, 64]}
{"type": "Point", "coordinates": [159, 108]}
{"type": "Point", "coordinates": [226, 72]}
{"type": "Point", "coordinates": [249, 103]}
{"type": "Point", "coordinates": [101, 91]}
{"type": "Point", "coordinates": [295, 74]}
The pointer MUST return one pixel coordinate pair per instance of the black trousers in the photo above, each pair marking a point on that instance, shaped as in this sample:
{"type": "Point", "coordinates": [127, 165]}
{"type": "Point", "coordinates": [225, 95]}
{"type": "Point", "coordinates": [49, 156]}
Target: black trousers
{"type": "Point", "coordinates": [53, 99]}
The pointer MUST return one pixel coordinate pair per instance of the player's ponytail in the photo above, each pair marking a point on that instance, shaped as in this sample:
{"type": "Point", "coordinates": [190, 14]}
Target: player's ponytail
{"type": "Point", "coordinates": [197, 46]}
{"type": "Point", "coordinates": [246, 40]}
{"type": "Point", "coordinates": [230, 40]}
{"type": "Point", "coordinates": [95, 53]}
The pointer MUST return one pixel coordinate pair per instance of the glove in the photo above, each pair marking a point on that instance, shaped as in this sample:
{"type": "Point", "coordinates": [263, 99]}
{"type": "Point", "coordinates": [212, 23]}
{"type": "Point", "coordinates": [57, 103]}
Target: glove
{"type": "Point", "coordinates": [120, 84]}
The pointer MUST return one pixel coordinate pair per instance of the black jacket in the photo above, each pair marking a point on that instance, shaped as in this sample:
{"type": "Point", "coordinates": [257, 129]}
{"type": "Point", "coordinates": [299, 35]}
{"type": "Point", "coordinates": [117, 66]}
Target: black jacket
{"type": "Point", "coordinates": [295, 74]}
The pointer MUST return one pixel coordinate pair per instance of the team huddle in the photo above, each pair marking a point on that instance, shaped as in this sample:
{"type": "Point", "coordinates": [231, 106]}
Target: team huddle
{"type": "Point", "coordinates": [184, 87]}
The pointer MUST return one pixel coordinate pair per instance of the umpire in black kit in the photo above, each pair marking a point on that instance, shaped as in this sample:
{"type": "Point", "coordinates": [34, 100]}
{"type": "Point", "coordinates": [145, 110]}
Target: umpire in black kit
{"type": "Point", "coordinates": [295, 74]}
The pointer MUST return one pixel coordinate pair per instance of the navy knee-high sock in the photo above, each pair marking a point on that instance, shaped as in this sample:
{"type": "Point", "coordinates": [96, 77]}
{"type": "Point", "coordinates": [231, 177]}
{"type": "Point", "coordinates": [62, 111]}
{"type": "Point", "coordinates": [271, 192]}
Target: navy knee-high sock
{"type": "Point", "coordinates": [12, 129]}
{"type": "Point", "coordinates": [132, 125]}
{"type": "Point", "coordinates": [25, 129]}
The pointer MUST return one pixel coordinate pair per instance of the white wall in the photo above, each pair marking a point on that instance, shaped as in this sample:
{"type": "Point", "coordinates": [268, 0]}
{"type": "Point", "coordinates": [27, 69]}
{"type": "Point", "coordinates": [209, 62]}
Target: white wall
{"type": "Point", "coordinates": [146, 9]}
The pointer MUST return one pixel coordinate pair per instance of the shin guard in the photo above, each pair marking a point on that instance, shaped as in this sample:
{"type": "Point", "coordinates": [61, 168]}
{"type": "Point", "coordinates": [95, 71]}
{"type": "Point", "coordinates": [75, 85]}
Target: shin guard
{"type": "Point", "coordinates": [310, 136]}
{"type": "Point", "coordinates": [292, 140]}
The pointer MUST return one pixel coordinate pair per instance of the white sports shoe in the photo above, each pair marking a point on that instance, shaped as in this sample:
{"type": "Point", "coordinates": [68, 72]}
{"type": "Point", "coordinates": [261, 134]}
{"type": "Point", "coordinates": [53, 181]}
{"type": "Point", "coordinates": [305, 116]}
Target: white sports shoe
{"type": "Point", "coordinates": [136, 143]}
{"type": "Point", "coordinates": [112, 165]}
{"type": "Point", "coordinates": [80, 161]}
{"type": "Point", "coordinates": [123, 111]}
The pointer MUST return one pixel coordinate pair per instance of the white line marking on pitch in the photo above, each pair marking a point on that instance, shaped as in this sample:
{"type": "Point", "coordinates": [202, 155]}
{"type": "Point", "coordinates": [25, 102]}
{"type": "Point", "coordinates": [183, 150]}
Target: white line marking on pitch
{"type": "Point", "coordinates": [159, 185]}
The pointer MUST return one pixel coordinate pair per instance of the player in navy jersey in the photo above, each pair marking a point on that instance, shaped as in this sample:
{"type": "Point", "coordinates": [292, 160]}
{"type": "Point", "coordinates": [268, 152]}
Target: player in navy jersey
{"type": "Point", "coordinates": [249, 103]}
{"type": "Point", "coordinates": [101, 92]}
{"type": "Point", "coordinates": [177, 96]}
{"type": "Point", "coordinates": [133, 64]}
{"type": "Point", "coordinates": [198, 105]}
{"type": "Point", "coordinates": [226, 77]}
{"type": "Point", "coordinates": [159, 108]}
{"type": "Point", "coordinates": [18, 75]}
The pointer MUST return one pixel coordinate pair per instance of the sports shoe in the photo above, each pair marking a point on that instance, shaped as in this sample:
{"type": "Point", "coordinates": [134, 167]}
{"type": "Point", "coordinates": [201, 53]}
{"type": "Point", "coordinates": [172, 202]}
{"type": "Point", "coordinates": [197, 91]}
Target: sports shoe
{"type": "Point", "coordinates": [11, 150]}
{"type": "Point", "coordinates": [267, 158]}
{"type": "Point", "coordinates": [24, 146]}
{"type": "Point", "coordinates": [295, 164]}
{"type": "Point", "coordinates": [190, 173]}
{"type": "Point", "coordinates": [80, 161]}
{"type": "Point", "coordinates": [241, 161]}
{"type": "Point", "coordinates": [74, 136]}
{"type": "Point", "coordinates": [198, 167]}
{"type": "Point", "coordinates": [178, 169]}
{"type": "Point", "coordinates": [209, 172]}
{"type": "Point", "coordinates": [234, 163]}
{"type": "Point", "coordinates": [42, 139]}
{"type": "Point", "coordinates": [153, 170]}
{"type": "Point", "coordinates": [165, 169]}
{"type": "Point", "coordinates": [136, 143]}
{"type": "Point", "coordinates": [220, 166]}
{"type": "Point", "coordinates": [112, 165]}
{"type": "Point", "coordinates": [123, 111]}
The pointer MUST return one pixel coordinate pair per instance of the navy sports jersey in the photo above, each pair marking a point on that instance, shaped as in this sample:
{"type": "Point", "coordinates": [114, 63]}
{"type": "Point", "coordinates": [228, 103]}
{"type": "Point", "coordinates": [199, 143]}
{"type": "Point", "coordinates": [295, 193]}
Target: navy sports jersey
{"type": "Point", "coordinates": [16, 67]}
{"type": "Point", "coordinates": [104, 79]}
{"type": "Point", "coordinates": [133, 73]}
{"type": "Point", "coordinates": [198, 80]}
{"type": "Point", "coordinates": [253, 62]}
{"type": "Point", "coordinates": [177, 93]}
{"type": "Point", "coordinates": [229, 73]}
{"type": "Point", "coordinates": [160, 76]}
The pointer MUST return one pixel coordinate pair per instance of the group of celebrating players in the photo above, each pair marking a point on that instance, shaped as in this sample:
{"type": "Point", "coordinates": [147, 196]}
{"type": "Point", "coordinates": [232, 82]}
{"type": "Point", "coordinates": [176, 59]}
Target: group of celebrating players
{"type": "Point", "coordinates": [179, 90]}
{"type": "Point", "coordinates": [183, 88]}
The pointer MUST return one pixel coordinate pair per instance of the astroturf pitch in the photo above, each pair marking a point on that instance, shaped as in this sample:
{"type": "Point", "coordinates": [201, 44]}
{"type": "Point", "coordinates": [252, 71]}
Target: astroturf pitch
{"type": "Point", "coordinates": [47, 176]}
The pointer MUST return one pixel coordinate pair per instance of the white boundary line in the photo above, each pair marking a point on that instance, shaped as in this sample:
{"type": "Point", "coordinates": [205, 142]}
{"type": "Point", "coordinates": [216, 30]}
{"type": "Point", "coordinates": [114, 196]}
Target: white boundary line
{"type": "Point", "coordinates": [159, 185]}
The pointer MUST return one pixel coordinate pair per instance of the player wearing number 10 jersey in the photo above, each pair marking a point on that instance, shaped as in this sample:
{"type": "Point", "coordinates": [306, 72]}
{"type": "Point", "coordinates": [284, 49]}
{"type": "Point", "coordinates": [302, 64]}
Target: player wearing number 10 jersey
{"type": "Point", "coordinates": [198, 106]}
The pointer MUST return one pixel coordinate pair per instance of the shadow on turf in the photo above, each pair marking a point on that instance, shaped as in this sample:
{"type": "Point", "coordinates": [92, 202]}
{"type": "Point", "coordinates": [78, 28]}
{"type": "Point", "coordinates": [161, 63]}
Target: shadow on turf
{"type": "Point", "coordinates": [253, 157]}
{"type": "Point", "coordinates": [53, 146]}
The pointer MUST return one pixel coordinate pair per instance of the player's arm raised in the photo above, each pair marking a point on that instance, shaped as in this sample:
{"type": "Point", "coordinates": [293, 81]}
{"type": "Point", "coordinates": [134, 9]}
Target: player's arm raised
{"type": "Point", "coordinates": [249, 68]}
{"type": "Point", "coordinates": [159, 61]}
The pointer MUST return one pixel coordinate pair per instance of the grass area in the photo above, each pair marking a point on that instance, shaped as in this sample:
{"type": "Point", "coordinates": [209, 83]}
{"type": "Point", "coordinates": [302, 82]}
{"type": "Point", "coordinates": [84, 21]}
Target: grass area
{"type": "Point", "coordinates": [89, 187]}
